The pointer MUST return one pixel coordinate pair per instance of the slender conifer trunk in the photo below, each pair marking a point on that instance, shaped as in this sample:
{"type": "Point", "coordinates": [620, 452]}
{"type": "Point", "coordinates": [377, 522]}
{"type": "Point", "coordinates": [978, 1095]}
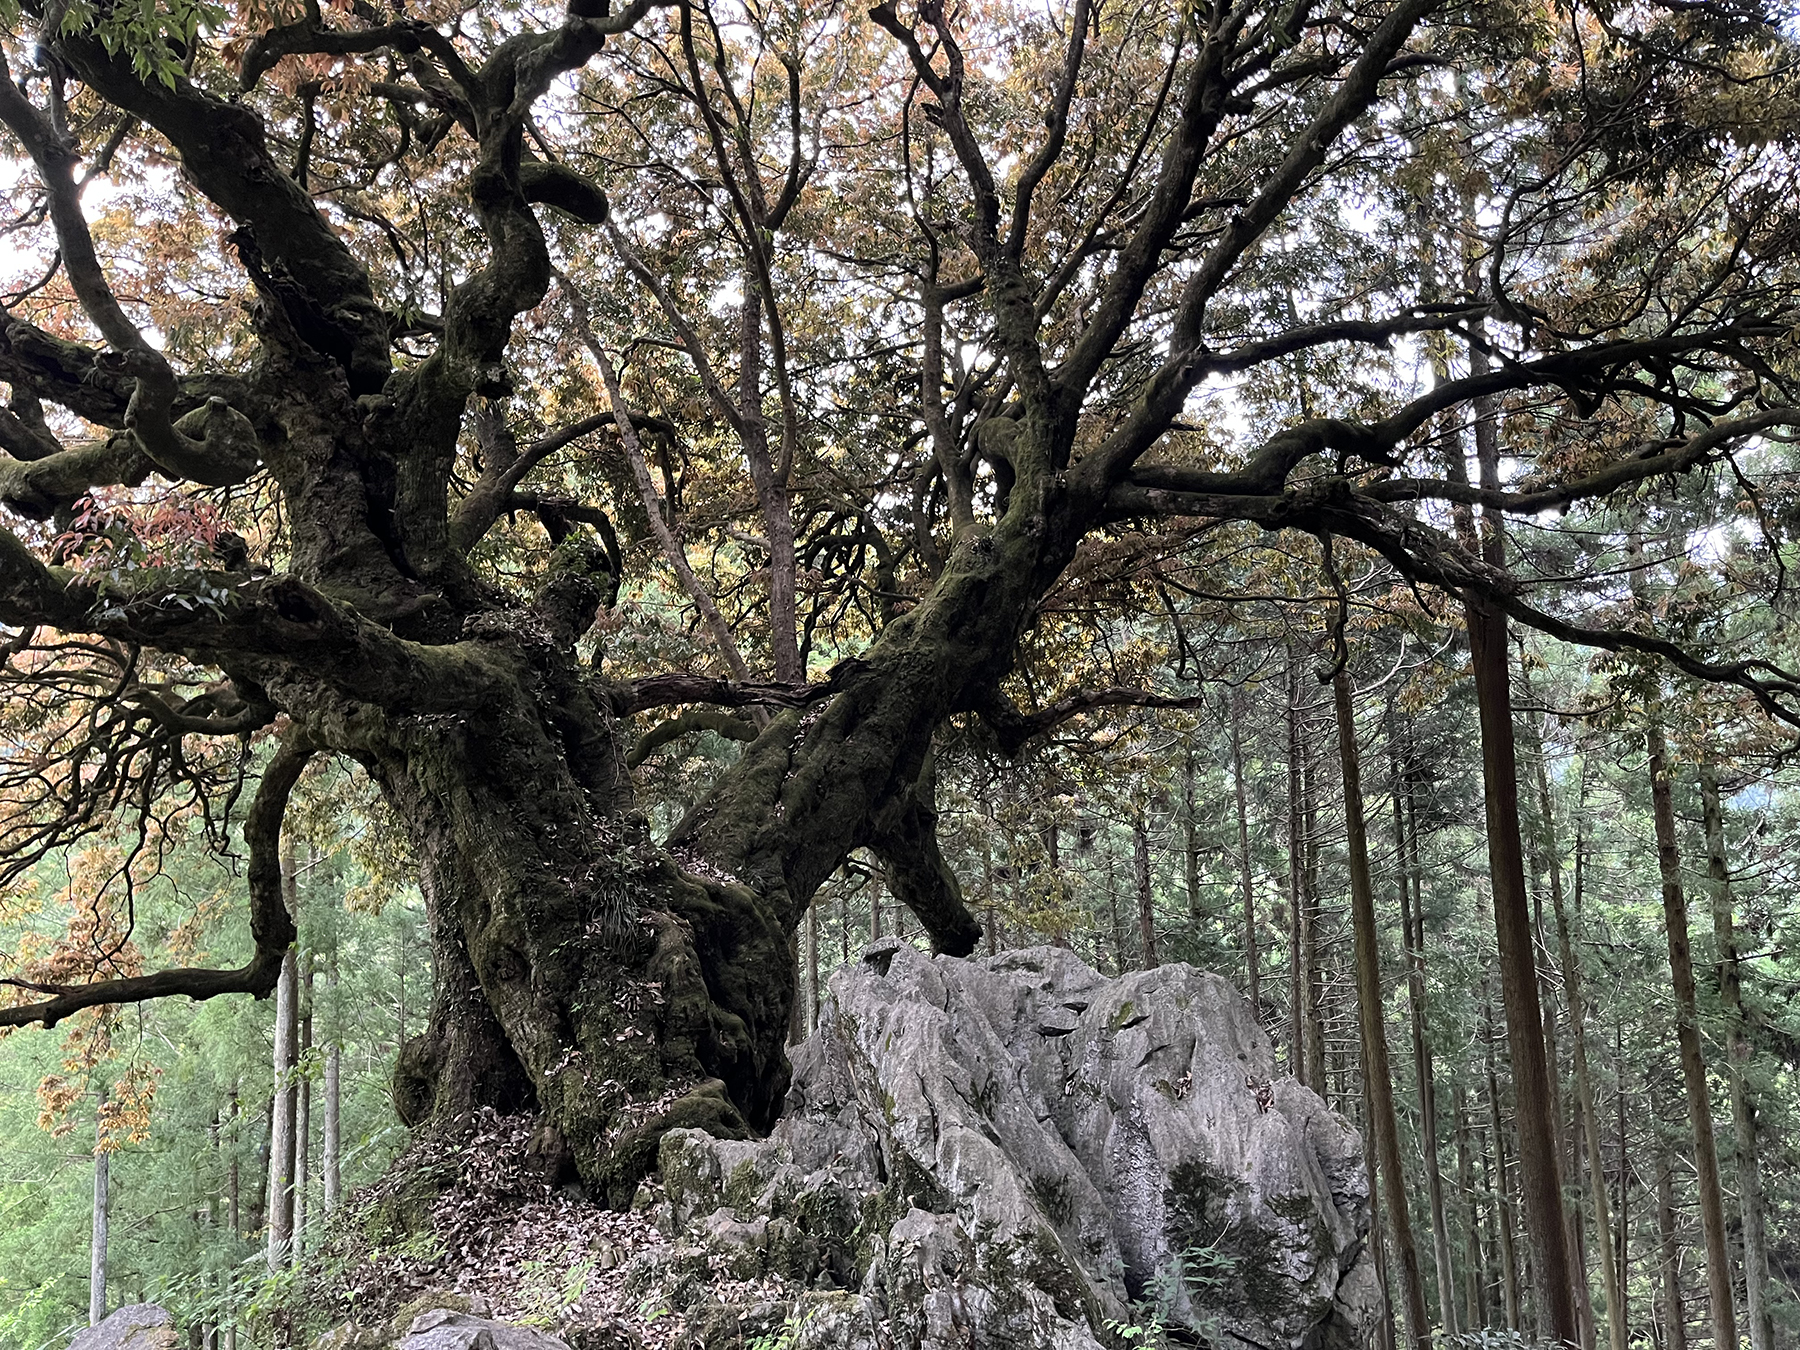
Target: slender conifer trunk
{"type": "Point", "coordinates": [1190, 838]}
{"type": "Point", "coordinates": [1378, 1080]}
{"type": "Point", "coordinates": [1540, 1179]}
{"type": "Point", "coordinates": [1311, 927]}
{"type": "Point", "coordinates": [303, 1113]}
{"type": "Point", "coordinates": [283, 1114]}
{"type": "Point", "coordinates": [1674, 1308]}
{"type": "Point", "coordinates": [233, 1213]}
{"type": "Point", "coordinates": [1622, 1234]}
{"type": "Point", "coordinates": [99, 1237]}
{"type": "Point", "coordinates": [1245, 875]}
{"type": "Point", "coordinates": [1297, 1062]}
{"type": "Point", "coordinates": [1616, 1328]}
{"type": "Point", "coordinates": [1146, 906]}
{"type": "Point", "coordinates": [1412, 927]}
{"type": "Point", "coordinates": [1508, 1257]}
{"type": "Point", "coordinates": [1687, 1040]}
{"type": "Point", "coordinates": [331, 1144]}
{"type": "Point", "coordinates": [1540, 1182]}
{"type": "Point", "coordinates": [1474, 1290]}
{"type": "Point", "coordinates": [1737, 1053]}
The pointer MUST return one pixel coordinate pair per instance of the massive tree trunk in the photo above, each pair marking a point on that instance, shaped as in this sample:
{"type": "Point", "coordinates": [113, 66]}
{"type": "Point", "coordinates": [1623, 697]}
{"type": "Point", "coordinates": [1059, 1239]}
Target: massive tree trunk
{"type": "Point", "coordinates": [564, 937]}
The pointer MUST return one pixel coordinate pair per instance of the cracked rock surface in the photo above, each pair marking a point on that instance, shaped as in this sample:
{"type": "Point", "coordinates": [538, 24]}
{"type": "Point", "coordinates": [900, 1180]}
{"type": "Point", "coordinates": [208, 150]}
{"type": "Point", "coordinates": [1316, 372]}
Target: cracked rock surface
{"type": "Point", "coordinates": [1020, 1152]}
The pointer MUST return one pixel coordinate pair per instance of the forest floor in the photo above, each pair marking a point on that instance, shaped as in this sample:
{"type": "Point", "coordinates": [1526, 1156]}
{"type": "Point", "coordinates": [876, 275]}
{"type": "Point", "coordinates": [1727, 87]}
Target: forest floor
{"type": "Point", "coordinates": [498, 1240]}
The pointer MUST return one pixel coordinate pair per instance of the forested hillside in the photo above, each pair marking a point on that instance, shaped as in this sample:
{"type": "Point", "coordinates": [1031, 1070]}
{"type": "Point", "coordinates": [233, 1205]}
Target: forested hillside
{"type": "Point", "coordinates": [531, 535]}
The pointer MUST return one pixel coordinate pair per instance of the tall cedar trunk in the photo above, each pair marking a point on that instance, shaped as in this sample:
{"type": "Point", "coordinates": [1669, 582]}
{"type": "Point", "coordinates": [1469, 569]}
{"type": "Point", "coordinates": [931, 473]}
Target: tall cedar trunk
{"type": "Point", "coordinates": [1412, 930]}
{"type": "Point", "coordinates": [1508, 1254]}
{"type": "Point", "coordinates": [797, 1005]}
{"type": "Point", "coordinates": [1475, 1273]}
{"type": "Point", "coordinates": [233, 1215]}
{"type": "Point", "coordinates": [282, 1116]}
{"type": "Point", "coordinates": [1547, 1002]}
{"type": "Point", "coordinates": [1622, 1235]}
{"type": "Point", "coordinates": [265, 1135]}
{"type": "Point", "coordinates": [208, 1217]}
{"type": "Point", "coordinates": [1578, 1180]}
{"type": "Point", "coordinates": [303, 1113]}
{"type": "Point", "coordinates": [1311, 925]}
{"type": "Point", "coordinates": [1146, 908]}
{"type": "Point", "coordinates": [1687, 1039]}
{"type": "Point", "coordinates": [1737, 1054]}
{"type": "Point", "coordinates": [1539, 1181]}
{"type": "Point", "coordinates": [1296, 843]}
{"type": "Point", "coordinates": [1371, 1022]}
{"type": "Point", "coordinates": [331, 1142]}
{"type": "Point", "coordinates": [1190, 837]}
{"type": "Point", "coordinates": [98, 1234]}
{"type": "Point", "coordinates": [1378, 1238]}
{"type": "Point", "coordinates": [812, 966]}
{"type": "Point", "coordinates": [1246, 877]}
{"type": "Point", "coordinates": [1674, 1308]}
{"type": "Point", "coordinates": [1589, 1123]}
{"type": "Point", "coordinates": [400, 959]}
{"type": "Point", "coordinates": [991, 914]}
{"type": "Point", "coordinates": [1120, 964]}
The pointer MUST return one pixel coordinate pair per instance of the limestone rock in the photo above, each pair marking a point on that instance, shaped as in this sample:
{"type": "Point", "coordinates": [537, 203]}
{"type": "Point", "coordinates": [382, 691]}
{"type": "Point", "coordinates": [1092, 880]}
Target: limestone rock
{"type": "Point", "coordinates": [445, 1329]}
{"type": "Point", "coordinates": [136, 1326]}
{"type": "Point", "coordinates": [1020, 1152]}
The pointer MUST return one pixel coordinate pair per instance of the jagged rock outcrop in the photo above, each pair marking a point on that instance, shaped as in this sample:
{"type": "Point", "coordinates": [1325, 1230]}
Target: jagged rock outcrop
{"type": "Point", "coordinates": [1019, 1152]}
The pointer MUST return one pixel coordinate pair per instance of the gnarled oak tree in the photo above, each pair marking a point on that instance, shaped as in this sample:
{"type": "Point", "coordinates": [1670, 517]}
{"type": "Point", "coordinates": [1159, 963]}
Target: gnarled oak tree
{"type": "Point", "coordinates": [903, 309]}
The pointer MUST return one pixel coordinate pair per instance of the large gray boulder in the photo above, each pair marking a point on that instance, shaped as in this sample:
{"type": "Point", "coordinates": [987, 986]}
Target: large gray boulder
{"type": "Point", "coordinates": [1020, 1152]}
{"type": "Point", "coordinates": [448, 1329]}
{"type": "Point", "coordinates": [136, 1326]}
